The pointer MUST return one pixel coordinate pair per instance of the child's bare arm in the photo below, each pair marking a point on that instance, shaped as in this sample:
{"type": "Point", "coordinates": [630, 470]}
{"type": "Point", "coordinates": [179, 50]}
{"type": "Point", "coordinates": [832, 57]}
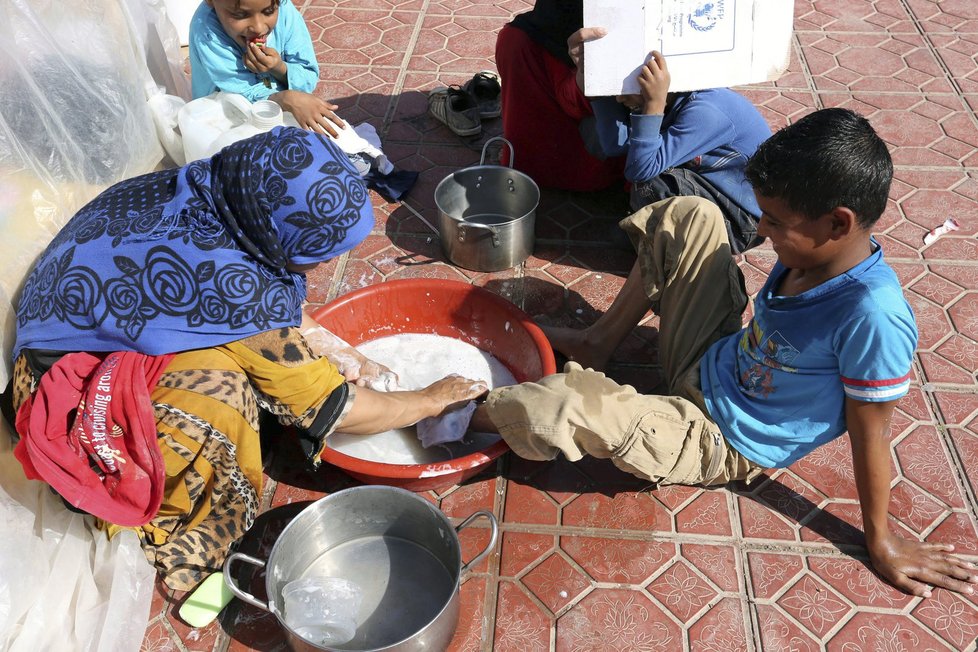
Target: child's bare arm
{"type": "Point", "coordinates": [910, 565]}
{"type": "Point", "coordinates": [653, 80]}
{"type": "Point", "coordinates": [310, 112]}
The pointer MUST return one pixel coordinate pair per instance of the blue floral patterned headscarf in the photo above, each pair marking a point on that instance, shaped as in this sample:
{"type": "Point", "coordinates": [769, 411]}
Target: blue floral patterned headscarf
{"type": "Point", "coordinates": [195, 257]}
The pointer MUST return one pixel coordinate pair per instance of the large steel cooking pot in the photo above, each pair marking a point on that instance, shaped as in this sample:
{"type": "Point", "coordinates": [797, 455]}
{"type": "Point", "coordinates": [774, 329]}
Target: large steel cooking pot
{"type": "Point", "coordinates": [400, 549]}
{"type": "Point", "coordinates": [486, 214]}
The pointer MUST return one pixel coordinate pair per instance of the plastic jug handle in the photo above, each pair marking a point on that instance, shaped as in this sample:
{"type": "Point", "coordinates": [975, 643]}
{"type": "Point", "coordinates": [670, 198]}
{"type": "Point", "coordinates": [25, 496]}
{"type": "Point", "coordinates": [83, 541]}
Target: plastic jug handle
{"type": "Point", "coordinates": [240, 104]}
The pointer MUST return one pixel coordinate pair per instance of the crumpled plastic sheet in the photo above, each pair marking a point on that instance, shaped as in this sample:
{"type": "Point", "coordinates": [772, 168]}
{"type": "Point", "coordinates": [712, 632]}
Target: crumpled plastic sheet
{"type": "Point", "coordinates": [63, 584]}
{"type": "Point", "coordinates": [75, 80]}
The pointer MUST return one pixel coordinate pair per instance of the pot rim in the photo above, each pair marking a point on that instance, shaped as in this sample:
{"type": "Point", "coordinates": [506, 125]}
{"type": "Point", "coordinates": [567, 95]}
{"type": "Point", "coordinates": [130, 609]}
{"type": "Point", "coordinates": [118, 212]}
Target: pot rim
{"type": "Point", "coordinates": [486, 168]}
{"type": "Point", "coordinates": [273, 606]}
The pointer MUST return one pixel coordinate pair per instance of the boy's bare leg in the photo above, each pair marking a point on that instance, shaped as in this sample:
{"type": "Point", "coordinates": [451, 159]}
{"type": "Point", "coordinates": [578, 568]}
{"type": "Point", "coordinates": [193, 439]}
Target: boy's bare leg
{"type": "Point", "coordinates": [593, 346]}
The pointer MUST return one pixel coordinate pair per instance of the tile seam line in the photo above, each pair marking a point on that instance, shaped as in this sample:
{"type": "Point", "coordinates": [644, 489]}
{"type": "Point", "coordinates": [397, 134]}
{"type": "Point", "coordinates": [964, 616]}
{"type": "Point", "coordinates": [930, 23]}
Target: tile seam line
{"type": "Point", "coordinates": [933, 51]}
{"type": "Point", "coordinates": [403, 68]}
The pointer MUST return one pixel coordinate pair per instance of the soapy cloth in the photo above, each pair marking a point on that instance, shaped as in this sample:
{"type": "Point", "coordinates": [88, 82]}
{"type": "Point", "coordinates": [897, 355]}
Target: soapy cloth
{"type": "Point", "coordinates": [447, 428]}
{"type": "Point", "coordinates": [362, 145]}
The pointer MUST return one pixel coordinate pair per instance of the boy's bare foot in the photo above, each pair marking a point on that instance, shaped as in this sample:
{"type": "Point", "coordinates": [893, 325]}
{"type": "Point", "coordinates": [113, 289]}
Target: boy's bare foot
{"type": "Point", "coordinates": [480, 420]}
{"type": "Point", "coordinates": [580, 345]}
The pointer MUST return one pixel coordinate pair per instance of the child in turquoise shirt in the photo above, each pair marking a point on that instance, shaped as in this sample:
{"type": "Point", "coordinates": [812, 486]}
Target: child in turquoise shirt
{"type": "Point", "coordinates": [260, 49]}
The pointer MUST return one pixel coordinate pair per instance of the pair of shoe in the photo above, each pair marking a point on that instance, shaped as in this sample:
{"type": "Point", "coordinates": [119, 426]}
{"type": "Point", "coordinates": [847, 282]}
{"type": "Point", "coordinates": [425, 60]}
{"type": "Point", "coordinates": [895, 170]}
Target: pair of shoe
{"type": "Point", "coordinates": [462, 108]}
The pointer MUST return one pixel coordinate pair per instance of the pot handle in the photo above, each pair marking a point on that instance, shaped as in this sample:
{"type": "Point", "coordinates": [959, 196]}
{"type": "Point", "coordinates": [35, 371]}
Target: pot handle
{"type": "Point", "coordinates": [493, 526]}
{"type": "Point", "coordinates": [247, 597]}
{"type": "Point", "coordinates": [512, 152]}
{"type": "Point", "coordinates": [476, 225]}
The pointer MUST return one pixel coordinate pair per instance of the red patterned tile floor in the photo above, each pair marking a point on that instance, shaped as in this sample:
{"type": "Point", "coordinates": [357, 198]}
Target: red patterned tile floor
{"type": "Point", "coordinates": [591, 559]}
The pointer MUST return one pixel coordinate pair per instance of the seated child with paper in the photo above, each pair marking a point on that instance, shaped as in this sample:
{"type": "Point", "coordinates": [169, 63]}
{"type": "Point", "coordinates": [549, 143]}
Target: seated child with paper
{"type": "Point", "coordinates": [679, 144]}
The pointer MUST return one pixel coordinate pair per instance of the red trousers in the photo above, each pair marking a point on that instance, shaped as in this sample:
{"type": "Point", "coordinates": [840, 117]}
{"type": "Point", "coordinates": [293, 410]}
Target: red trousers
{"type": "Point", "coordinates": [542, 107]}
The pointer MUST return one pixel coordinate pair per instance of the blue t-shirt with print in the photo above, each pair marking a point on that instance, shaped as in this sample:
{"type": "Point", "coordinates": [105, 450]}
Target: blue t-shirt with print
{"type": "Point", "coordinates": [777, 389]}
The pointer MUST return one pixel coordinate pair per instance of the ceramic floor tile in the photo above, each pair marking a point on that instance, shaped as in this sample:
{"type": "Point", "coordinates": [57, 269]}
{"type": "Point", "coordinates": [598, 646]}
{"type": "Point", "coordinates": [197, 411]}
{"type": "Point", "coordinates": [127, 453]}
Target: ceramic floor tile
{"type": "Point", "coordinates": [526, 504]}
{"type": "Point", "coordinates": [853, 16]}
{"type": "Point", "coordinates": [924, 462]}
{"type": "Point", "coordinates": [682, 591]}
{"type": "Point", "coordinates": [456, 45]}
{"type": "Point", "coordinates": [872, 631]}
{"type": "Point", "coordinates": [873, 62]}
{"type": "Point", "coordinates": [472, 627]}
{"type": "Point", "coordinates": [923, 130]}
{"type": "Point", "coordinates": [956, 408]}
{"type": "Point", "coordinates": [959, 52]}
{"type": "Point", "coordinates": [501, 10]}
{"type": "Point", "coordinates": [521, 550]}
{"type": "Point", "coordinates": [722, 627]}
{"type": "Point", "coordinates": [617, 619]}
{"type": "Point", "coordinates": [521, 623]}
{"type": "Point", "coordinates": [556, 582]}
{"type": "Point", "coordinates": [937, 16]}
{"type": "Point", "coordinates": [939, 370]}
{"type": "Point", "coordinates": [964, 315]}
{"type": "Point", "coordinates": [928, 198]}
{"type": "Point", "coordinates": [158, 636]}
{"type": "Point", "coordinates": [780, 632]}
{"type": "Point", "coordinates": [965, 444]}
{"type": "Point", "coordinates": [617, 560]}
{"type": "Point", "coordinates": [707, 515]}
{"type": "Point", "coordinates": [626, 511]}
{"type": "Point", "coordinates": [360, 37]}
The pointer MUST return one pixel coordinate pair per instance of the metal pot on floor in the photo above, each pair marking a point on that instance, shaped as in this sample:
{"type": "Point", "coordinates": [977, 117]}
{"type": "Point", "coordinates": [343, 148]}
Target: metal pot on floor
{"type": "Point", "coordinates": [401, 550]}
{"type": "Point", "coordinates": [487, 214]}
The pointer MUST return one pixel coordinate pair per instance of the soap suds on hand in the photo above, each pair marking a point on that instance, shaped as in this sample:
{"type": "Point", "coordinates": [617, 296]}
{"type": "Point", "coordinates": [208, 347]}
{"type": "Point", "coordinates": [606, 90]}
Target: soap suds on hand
{"type": "Point", "coordinates": [419, 360]}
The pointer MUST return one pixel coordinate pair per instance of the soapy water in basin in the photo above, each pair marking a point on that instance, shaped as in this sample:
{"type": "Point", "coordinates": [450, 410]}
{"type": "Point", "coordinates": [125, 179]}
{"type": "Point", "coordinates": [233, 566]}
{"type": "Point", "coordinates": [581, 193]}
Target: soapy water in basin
{"type": "Point", "coordinates": [419, 360]}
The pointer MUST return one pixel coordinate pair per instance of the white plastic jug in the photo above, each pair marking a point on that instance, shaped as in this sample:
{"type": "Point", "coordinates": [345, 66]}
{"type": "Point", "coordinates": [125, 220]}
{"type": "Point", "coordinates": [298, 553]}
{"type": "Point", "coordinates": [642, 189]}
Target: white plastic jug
{"type": "Point", "coordinates": [210, 123]}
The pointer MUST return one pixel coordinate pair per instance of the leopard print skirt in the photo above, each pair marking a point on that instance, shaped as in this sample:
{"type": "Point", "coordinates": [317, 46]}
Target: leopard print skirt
{"type": "Point", "coordinates": [206, 405]}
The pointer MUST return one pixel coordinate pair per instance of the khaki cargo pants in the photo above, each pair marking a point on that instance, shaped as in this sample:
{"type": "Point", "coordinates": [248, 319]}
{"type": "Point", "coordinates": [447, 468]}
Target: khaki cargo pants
{"type": "Point", "coordinates": [698, 292]}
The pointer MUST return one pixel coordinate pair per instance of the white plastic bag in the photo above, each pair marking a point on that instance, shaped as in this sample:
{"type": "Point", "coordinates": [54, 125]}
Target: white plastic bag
{"type": "Point", "coordinates": [75, 82]}
{"type": "Point", "coordinates": [73, 119]}
{"type": "Point", "coordinates": [63, 584]}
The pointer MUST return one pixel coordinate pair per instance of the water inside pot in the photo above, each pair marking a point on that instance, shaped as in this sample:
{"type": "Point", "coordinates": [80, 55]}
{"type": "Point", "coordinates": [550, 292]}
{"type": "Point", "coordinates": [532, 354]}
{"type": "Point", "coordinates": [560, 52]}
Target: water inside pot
{"type": "Point", "coordinates": [489, 219]}
{"type": "Point", "coordinates": [404, 586]}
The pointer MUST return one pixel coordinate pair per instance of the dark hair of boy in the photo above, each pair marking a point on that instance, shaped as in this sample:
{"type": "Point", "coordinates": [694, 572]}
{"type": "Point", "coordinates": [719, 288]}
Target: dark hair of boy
{"type": "Point", "coordinates": [829, 158]}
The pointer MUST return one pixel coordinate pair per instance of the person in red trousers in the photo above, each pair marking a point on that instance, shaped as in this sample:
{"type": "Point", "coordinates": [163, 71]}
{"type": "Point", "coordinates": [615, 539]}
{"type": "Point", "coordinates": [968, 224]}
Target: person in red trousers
{"type": "Point", "coordinates": [542, 106]}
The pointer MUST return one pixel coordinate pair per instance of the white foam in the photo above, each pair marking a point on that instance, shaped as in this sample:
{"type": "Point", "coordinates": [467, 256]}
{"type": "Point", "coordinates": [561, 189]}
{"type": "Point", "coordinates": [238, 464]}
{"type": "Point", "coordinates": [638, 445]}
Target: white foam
{"type": "Point", "coordinates": [419, 360]}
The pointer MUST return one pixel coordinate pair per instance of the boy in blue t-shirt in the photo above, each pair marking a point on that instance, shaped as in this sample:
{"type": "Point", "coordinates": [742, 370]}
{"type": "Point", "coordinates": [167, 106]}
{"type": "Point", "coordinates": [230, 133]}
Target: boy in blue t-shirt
{"type": "Point", "coordinates": [260, 49]}
{"type": "Point", "coordinates": [828, 350]}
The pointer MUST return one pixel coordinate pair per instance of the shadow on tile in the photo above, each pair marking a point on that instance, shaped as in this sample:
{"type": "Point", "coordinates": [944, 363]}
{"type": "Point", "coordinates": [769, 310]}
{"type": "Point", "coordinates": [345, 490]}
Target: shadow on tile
{"type": "Point", "coordinates": [798, 510]}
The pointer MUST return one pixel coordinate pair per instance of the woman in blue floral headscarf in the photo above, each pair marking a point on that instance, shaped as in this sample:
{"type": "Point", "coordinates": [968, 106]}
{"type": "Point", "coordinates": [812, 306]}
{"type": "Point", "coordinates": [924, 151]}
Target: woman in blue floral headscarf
{"type": "Point", "coordinates": [165, 316]}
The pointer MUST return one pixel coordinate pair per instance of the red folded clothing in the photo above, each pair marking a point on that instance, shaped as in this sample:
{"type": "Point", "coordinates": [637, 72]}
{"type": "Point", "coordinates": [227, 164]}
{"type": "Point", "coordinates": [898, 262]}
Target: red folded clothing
{"type": "Point", "coordinates": [89, 431]}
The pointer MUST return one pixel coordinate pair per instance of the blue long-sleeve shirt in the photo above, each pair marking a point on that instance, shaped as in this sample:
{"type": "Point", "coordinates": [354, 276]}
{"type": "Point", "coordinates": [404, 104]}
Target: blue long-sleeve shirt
{"type": "Point", "coordinates": [216, 64]}
{"type": "Point", "coordinates": [712, 132]}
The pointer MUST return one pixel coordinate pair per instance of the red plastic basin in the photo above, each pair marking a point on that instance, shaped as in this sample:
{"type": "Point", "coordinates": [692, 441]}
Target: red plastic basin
{"type": "Point", "coordinates": [439, 307]}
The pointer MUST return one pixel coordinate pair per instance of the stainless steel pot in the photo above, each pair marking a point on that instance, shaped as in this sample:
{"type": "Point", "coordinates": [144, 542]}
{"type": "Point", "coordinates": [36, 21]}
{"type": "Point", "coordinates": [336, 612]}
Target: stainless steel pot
{"type": "Point", "coordinates": [487, 214]}
{"type": "Point", "coordinates": [400, 549]}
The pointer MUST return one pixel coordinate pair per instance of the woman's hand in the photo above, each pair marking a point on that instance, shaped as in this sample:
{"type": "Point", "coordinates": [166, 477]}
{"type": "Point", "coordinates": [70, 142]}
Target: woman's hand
{"type": "Point", "coordinates": [575, 48]}
{"type": "Point", "coordinates": [261, 58]}
{"type": "Point", "coordinates": [374, 412]}
{"type": "Point", "coordinates": [355, 367]}
{"type": "Point", "coordinates": [653, 80]}
{"type": "Point", "coordinates": [451, 391]}
{"type": "Point", "coordinates": [310, 112]}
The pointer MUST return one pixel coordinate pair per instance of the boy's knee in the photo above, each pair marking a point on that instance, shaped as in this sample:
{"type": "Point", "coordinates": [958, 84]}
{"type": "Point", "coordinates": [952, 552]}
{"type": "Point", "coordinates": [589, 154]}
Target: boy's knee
{"type": "Point", "coordinates": [691, 216]}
